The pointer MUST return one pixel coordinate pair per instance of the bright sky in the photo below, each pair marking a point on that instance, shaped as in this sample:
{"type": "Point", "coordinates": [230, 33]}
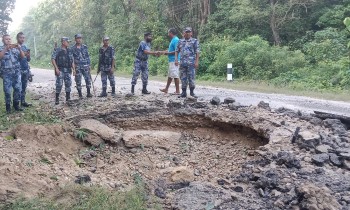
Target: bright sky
{"type": "Point", "coordinates": [22, 7]}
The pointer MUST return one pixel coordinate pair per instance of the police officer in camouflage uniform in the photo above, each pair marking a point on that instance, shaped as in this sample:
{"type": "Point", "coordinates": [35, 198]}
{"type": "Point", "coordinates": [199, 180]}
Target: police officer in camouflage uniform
{"type": "Point", "coordinates": [10, 56]}
{"type": "Point", "coordinates": [189, 49]}
{"type": "Point", "coordinates": [82, 64]}
{"type": "Point", "coordinates": [25, 69]}
{"type": "Point", "coordinates": [106, 65]}
{"type": "Point", "coordinates": [63, 62]}
{"type": "Point", "coordinates": [141, 63]}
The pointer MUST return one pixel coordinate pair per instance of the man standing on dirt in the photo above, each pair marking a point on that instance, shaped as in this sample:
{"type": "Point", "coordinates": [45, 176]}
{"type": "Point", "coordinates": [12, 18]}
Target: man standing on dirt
{"type": "Point", "coordinates": [189, 49]}
{"type": "Point", "coordinates": [25, 69]}
{"type": "Point", "coordinates": [106, 65]}
{"type": "Point", "coordinates": [63, 62]}
{"type": "Point", "coordinates": [10, 56]}
{"type": "Point", "coordinates": [173, 71]}
{"type": "Point", "coordinates": [82, 63]}
{"type": "Point", "coordinates": [141, 63]}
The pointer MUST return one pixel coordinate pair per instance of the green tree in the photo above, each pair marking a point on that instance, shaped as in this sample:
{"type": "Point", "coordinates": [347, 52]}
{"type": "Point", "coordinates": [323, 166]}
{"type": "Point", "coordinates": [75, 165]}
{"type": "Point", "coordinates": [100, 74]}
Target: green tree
{"type": "Point", "coordinates": [6, 7]}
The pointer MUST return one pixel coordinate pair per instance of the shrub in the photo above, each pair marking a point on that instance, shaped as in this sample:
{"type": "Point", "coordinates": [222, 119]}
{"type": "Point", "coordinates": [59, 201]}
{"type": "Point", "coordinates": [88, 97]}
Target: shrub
{"type": "Point", "coordinates": [158, 66]}
{"type": "Point", "coordinates": [328, 45]}
{"type": "Point", "coordinates": [255, 59]}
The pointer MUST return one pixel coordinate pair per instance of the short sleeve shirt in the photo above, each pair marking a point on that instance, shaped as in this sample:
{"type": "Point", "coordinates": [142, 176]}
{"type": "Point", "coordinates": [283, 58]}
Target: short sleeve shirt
{"type": "Point", "coordinates": [24, 61]}
{"type": "Point", "coordinates": [172, 48]}
{"type": "Point", "coordinates": [106, 56]}
{"type": "Point", "coordinates": [11, 59]}
{"type": "Point", "coordinates": [140, 54]}
{"type": "Point", "coordinates": [188, 49]}
{"type": "Point", "coordinates": [81, 55]}
{"type": "Point", "coordinates": [57, 50]}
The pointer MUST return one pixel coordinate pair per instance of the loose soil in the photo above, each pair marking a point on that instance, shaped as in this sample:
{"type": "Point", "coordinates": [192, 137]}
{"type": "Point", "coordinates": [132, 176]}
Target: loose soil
{"type": "Point", "coordinates": [191, 154]}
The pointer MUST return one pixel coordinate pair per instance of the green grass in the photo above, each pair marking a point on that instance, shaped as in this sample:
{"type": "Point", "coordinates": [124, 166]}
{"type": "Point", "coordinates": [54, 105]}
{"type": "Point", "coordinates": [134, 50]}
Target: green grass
{"type": "Point", "coordinates": [32, 115]}
{"type": "Point", "coordinates": [81, 134]}
{"type": "Point", "coordinates": [79, 197]}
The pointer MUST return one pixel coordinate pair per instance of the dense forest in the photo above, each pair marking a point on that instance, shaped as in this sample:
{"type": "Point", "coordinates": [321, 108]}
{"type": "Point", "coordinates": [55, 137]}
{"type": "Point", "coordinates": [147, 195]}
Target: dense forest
{"type": "Point", "coordinates": [301, 44]}
{"type": "Point", "coordinates": [6, 8]}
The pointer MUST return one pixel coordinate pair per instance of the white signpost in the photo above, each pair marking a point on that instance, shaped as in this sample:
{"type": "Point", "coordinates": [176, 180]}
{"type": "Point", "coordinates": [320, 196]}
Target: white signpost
{"type": "Point", "coordinates": [229, 72]}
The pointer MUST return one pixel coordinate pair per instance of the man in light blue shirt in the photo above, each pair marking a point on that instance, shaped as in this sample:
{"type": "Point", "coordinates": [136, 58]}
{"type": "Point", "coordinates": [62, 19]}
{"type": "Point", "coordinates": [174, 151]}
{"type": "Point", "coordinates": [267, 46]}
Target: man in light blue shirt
{"type": "Point", "coordinates": [173, 72]}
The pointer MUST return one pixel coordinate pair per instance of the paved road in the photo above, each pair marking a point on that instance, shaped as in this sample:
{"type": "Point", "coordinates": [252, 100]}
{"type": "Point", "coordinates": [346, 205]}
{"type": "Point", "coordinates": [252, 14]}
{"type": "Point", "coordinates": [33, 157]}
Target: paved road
{"type": "Point", "coordinates": [46, 78]}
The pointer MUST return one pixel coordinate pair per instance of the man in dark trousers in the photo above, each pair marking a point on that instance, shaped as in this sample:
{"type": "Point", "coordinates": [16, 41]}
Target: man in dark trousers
{"type": "Point", "coordinates": [106, 65]}
{"type": "Point", "coordinates": [10, 56]}
{"type": "Point", "coordinates": [141, 63]}
{"type": "Point", "coordinates": [82, 63]}
{"type": "Point", "coordinates": [189, 60]}
{"type": "Point", "coordinates": [63, 62]}
{"type": "Point", "coordinates": [25, 69]}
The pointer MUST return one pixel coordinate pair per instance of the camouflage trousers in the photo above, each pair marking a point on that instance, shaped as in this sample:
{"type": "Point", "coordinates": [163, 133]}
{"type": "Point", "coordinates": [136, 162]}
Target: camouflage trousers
{"type": "Point", "coordinates": [12, 80]}
{"type": "Point", "coordinates": [107, 74]}
{"type": "Point", "coordinates": [24, 80]}
{"type": "Point", "coordinates": [140, 67]}
{"type": "Point", "coordinates": [65, 76]}
{"type": "Point", "coordinates": [82, 72]}
{"type": "Point", "coordinates": [187, 76]}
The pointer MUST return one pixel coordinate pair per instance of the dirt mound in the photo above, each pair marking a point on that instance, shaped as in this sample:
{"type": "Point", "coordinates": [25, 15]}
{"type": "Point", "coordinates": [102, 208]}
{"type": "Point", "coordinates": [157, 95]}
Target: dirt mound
{"type": "Point", "coordinates": [189, 155]}
{"type": "Point", "coordinates": [31, 163]}
{"type": "Point", "coordinates": [51, 138]}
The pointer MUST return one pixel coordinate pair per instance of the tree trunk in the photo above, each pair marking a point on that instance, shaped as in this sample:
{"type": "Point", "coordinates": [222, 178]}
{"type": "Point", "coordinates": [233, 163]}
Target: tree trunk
{"type": "Point", "coordinates": [273, 24]}
{"type": "Point", "coordinates": [205, 11]}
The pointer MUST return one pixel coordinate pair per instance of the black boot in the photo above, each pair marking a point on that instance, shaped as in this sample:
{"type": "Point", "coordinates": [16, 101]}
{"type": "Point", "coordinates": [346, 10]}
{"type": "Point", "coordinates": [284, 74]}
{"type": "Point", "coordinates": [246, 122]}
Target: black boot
{"type": "Point", "coordinates": [57, 101]}
{"type": "Point", "coordinates": [8, 108]}
{"type": "Point", "coordinates": [133, 89]}
{"type": "Point", "coordinates": [17, 107]}
{"type": "Point", "coordinates": [104, 93]}
{"type": "Point", "coordinates": [145, 91]}
{"type": "Point", "coordinates": [67, 96]}
{"type": "Point", "coordinates": [25, 104]}
{"type": "Point", "coordinates": [192, 93]}
{"type": "Point", "coordinates": [183, 94]}
{"type": "Point", "coordinates": [89, 95]}
{"type": "Point", "coordinates": [80, 94]}
{"type": "Point", "coordinates": [113, 91]}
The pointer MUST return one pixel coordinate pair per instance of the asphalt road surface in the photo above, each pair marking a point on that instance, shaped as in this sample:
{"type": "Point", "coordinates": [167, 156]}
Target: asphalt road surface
{"type": "Point", "coordinates": [46, 78]}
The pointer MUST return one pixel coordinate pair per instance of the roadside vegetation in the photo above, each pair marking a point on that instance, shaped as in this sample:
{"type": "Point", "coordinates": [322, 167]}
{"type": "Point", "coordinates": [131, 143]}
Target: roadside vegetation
{"type": "Point", "coordinates": [79, 197]}
{"type": "Point", "coordinates": [295, 45]}
{"type": "Point", "coordinates": [32, 115]}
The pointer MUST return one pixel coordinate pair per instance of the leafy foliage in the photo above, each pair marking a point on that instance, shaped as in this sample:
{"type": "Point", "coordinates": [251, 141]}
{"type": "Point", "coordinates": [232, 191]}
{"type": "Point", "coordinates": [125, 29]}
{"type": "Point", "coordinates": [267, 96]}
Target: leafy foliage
{"type": "Point", "coordinates": [295, 43]}
{"type": "Point", "coordinates": [254, 58]}
{"type": "Point", "coordinates": [6, 7]}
